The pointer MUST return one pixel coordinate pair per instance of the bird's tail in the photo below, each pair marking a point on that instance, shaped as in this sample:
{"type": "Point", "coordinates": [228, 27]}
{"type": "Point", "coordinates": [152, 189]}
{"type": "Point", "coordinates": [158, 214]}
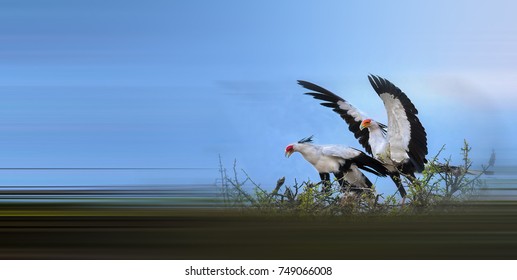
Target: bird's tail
{"type": "Point", "coordinates": [459, 170]}
{"type": "Point", "coordinates": [371, 165]}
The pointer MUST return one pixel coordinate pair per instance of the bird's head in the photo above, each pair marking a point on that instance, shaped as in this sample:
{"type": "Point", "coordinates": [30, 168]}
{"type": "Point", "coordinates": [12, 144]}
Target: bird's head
{"type": "Point", "coordinates": [289, 150]}
{"type": "Point", "coordinates": [365, 123]}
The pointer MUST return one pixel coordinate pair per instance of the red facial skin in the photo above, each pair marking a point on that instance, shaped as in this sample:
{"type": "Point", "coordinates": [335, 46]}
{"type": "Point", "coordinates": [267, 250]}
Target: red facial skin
{"type": "Point", "coordinates": [365, 123]}
{"type": "Point", "coordinates": [289, 150]}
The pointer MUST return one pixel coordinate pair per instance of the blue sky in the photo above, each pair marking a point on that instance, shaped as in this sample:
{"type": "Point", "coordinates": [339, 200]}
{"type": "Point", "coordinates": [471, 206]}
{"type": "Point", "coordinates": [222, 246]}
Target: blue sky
{"type": "Point", "coordinates": [177, 83]}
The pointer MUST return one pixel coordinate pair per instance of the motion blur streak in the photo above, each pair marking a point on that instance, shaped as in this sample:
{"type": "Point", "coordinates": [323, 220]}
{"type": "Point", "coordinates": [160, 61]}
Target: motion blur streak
{"type": "Point", "coordinates": [189, 221]}
{"type": "Point", "coordinates": [484, 231]}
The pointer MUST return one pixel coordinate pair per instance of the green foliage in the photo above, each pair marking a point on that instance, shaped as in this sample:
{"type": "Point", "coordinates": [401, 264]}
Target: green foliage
{"type": "Point", "coordinates": [443, 184]}
{"type": "Point", "coordinates": [440, 186]}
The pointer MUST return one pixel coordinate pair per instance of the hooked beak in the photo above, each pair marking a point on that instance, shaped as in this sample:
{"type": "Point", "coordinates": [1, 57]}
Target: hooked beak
{"type": "Point", "coordinates": [364, 125]}
{"type": "Point", "coordinates": [289, 153]}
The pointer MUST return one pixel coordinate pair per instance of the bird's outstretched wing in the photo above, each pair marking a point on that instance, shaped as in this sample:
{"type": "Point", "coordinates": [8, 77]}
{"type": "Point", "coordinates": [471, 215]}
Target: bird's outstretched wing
{"type": "Point", "coordinates": [351, 115]}
{"type": "Point", "coordinates": [406, 135]}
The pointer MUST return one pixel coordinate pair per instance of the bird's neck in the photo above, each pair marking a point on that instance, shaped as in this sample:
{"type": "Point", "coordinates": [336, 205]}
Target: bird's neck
{"type": "Point", "coordinates": [310, 152]}
{"type": "Point", "coordinates": [378, 142]}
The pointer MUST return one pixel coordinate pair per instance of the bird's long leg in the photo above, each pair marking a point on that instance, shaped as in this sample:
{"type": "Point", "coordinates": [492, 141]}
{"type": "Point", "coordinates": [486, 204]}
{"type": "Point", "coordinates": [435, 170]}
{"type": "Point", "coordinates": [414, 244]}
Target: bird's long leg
{"type": "Point", "coordinates": [396, 179]}
{"type": "Point", "coordinates": [325, 179]}
{"type": "Point", "coordinates": [411, 176]}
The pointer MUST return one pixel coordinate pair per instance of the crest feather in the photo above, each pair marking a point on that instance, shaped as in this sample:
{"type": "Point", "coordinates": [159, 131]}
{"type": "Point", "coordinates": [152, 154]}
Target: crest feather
{"type": "Point", "coordinates": [306, 140]}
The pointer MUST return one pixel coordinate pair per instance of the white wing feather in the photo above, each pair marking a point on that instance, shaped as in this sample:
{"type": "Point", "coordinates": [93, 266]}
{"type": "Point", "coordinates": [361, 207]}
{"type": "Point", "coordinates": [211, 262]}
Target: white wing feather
{"type": "Point", "coordinates": [357, 114]}
{"type": "Point", "coordinates": [339, 151]}
{"type": "Point", "coordinates": [399, 132]}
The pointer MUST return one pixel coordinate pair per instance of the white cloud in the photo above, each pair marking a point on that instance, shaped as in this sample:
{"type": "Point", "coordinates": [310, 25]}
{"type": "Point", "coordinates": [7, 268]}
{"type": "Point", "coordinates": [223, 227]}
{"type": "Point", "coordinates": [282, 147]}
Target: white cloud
{"type": "Point", "coordinates": [480, 88]}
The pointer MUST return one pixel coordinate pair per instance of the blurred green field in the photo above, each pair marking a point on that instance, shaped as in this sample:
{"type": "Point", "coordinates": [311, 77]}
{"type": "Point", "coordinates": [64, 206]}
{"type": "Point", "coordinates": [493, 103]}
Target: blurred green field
{"type": "Point", "coordinates": [483, 230]}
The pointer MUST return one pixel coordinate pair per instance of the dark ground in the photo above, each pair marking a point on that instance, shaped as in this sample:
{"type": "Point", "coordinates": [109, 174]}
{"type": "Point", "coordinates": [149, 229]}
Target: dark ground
{"type": "Point", "coordinates": [483, 231]}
